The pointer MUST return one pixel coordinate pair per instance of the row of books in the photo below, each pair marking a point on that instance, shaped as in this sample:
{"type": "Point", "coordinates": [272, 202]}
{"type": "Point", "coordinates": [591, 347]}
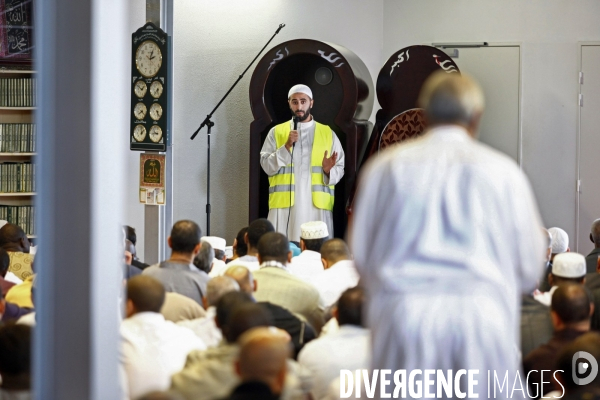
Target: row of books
{"type": "Point", "coordinates": [17, 138]}
{"type": "Point", "coordinates": [18, 92]}
{"type": "Point", "coordinates": [24, 216]}
{"type": "Point", "coordinates": [17, 177]}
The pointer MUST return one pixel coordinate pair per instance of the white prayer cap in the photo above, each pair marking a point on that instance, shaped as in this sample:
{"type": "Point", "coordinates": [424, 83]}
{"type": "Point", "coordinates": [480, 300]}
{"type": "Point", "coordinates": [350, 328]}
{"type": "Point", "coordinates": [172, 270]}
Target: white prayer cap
{"type": "Point", "coordinates": [300, 89]}
{"type": "Point", "coordinates": [314, 230]}
{"type": "Point", "coordinates": [560, 240]}
{"type": "Point", "coordinates": [217, 243]}
{"type": "Point", "coordinates": [569, 265]}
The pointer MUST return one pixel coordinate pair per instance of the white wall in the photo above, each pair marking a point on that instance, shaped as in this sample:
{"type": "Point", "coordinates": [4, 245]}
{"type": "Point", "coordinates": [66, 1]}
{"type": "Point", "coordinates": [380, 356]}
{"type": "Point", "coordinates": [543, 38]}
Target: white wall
{"type": "Point", "coordinates": [549, 32]}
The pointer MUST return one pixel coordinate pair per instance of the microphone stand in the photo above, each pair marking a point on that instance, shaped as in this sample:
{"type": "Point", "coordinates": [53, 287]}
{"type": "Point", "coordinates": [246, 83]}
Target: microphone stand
{"type": "Point", "coordinates": [207, 122]}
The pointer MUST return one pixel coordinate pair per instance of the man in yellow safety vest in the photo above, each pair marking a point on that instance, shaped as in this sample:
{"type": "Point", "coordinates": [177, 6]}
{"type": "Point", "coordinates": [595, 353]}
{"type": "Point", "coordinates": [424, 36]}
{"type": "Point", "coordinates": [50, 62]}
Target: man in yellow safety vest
{"type": "Point", "coordinates": [303, 166]}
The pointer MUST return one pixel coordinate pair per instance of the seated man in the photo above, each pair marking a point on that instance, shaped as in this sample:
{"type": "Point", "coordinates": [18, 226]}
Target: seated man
{"type": "Point", "coordinates": [152, 348]}
{"type": "Point", "coordinates": [218, 244]}
{"type": "Point", "coordinates": [349, 348]}
{"type": "Point", "coordinates": [566, 268]}
{"type": "Point", "coordinates": [571, 311]}
{"type": "Point", "coordinates": [205, 257]}
{"type": "Point", "coordinates": [178, 307]}
{"type": "Point", "coordinates": [256, 230]}
{"type": "Point", "coordinates": [206, 328]}
{"type": "Point", "coordinates": [14, 240]}
{"type": "Point", "coordinates": [275, 284]}
{"type": "Point", "coordinates": [239, 247]}
{"type": "Point", "coordinates": [178, 274]}
{"type": "Point", "coordinates": [589, 343]}
{"type": "Point", "coordinates": [298, 329]}
{"type": "Point", "coordinates": [210, 374]}
{"type": "Point", "coordinates": [340, 273]}
{"type": "Point", "coordinates": [308, 264]}
{"type": "Point", "coordinates": [15, 362]}
{"type": "Point", "coordinates": [261, 364]}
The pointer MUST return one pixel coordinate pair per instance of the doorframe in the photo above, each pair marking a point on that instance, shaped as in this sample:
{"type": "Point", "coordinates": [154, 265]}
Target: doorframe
{"type": "Point", "coordinates": [580, 46]}
{"type": "Point", "coordinates": [519, 45]}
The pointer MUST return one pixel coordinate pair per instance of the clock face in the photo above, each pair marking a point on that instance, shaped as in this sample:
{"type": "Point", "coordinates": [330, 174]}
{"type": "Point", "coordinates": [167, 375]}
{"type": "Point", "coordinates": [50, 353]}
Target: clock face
{"type": "Point", "coordinates": [155, 111]}
{"type": "Point", "coordinates": [148, 58]}
{"type": "Point", "coordinates": [156, 89]}
{"type": "Point", "coordinates": [140, 89]}
{"type": "Point", "coordinates": [155, 133]}
{"type": "Point", "coordinates": [139, 133]}
{"type": "Point", "coordinates": [140, 111]}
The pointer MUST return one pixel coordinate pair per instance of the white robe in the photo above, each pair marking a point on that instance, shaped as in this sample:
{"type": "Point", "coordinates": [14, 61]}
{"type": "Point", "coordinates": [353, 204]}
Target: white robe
{"type": "Point", "coordinates": [446, 236]}
{"type": "Point", "coordinates": [273, 158]}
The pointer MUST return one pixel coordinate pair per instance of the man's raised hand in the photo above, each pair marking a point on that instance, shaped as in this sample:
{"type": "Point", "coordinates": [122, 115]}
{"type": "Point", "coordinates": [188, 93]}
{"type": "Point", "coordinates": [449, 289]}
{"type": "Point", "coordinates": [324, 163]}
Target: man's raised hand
{"type": "Point", "coordinates": [328, 163]}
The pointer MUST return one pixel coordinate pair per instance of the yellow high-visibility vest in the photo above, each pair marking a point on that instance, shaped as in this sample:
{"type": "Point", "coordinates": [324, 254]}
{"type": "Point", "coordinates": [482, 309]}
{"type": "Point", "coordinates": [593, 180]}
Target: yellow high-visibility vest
{"type": "Point", "coordinates": [282, 184]}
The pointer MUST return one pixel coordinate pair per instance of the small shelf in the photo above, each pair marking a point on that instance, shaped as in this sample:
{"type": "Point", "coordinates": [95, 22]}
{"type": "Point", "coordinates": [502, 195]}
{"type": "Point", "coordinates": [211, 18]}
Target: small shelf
{"type": "Point", "coordinates": [17, 154]}
{"type": "Point", "coordinates": [18, 108]}
{"type": "Point", "coordinates": [18, 194]}
{"type": "Point", "coordinates": [32, 236]}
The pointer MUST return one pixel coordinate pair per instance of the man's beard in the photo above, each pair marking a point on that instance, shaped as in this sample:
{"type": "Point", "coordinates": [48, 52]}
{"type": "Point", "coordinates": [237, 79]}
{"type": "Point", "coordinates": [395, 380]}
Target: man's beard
{"type": "Point", "coordinates": [304, 116]}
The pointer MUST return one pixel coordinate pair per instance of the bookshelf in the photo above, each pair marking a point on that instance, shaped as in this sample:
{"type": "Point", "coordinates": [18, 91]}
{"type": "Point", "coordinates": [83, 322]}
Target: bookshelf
{"type": "Point", "coordinates": [17, 147]}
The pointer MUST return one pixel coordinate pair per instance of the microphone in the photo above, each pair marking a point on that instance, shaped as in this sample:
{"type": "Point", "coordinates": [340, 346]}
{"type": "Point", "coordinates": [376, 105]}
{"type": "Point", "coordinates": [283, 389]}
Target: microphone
{"type": "Point", "coordinates": [295, 128]}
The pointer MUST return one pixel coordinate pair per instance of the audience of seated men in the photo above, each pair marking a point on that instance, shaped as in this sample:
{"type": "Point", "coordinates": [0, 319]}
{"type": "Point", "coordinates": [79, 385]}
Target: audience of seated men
{"type": "Point", "coordinates": [275, 284]}
{"type": "Point", "coordinates": [14, 240]}
{"type": "Point", "coordinates": [15, 362]}
{"type": "Point", "coordinates": [340, 273]}
{"type": "Point", "coordinates": [152, 348]}
{"type": "Point", "coordinates": [348, 348]}
{"type": "Point", "coordinates": [571, 310]}
{"type": "Point", "coordinates": [178, 273]}
{"type": "Point", "coordinates": [589, 343]}
{"type": "Point", "coordinates": [261, 364]}
{"type": "Point", "coordinates": [210, 374]}
{"type": "Point", "coordinates": [566, 267]}
{"type": "Point", "coordinates": [308, 264]}
{"type": "Point", "coordinates": [299, 330]}
{"type": "Point", "coordinates": [205, 257]}
{"type": "Point", "coordinates": [218, 264]}
{"type": "Point", "coordinates": [256, 230]}
{"type": "Point", "coordinates": [206, 328]}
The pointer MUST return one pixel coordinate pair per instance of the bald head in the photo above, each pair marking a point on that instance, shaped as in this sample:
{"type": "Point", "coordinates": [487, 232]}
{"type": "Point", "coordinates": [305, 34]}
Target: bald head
{"type": "Point", "coordinates": [13, 238]}
{"type": "Point", "coordinates": [263, 355]}
{"type": "Point", "coordinates": [218, 286]}
{"type": "Point", "coordinates": [335, 250]}
{"type": "Point", "coordinates": [595, 234]}
{"type": "Point", "coordinates": [144, 294]}
{"type": "Point", "coordinates": [243, 277]}
{"type": "Point", "coordinates": [452, 99]}
{"type": "Point", "coordinates": [571, 302]}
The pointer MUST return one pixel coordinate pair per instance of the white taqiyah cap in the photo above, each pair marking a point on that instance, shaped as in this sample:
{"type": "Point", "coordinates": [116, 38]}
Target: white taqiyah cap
{"type": "Point", "coordinates": [300, 89]}
{"type": "Point", "coordinates": [3, 222]}
{"type": "Point", "coordinates": [560, 240]}
{"type": "Point", "coordinates": [569, 265]}
{"type": "Point", "coordinates": [217, 243]}
{"type": "Point", "coordinates": [314, 230]}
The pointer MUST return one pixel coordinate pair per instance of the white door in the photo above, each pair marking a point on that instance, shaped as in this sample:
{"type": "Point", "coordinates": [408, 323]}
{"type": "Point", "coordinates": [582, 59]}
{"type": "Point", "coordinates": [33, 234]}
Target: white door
{"type": "Point", "coordinates": [589, 147]}
{"type": "Point", "coordinates": [497, 69]}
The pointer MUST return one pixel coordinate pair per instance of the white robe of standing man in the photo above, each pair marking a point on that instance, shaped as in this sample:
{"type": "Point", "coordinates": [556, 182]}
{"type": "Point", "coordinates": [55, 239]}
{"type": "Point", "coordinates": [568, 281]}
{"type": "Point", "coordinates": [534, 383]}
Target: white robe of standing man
{"type": "Point", "coordinates": [446, 237]}
{"type": "Point", "coordinates": [272, 159]}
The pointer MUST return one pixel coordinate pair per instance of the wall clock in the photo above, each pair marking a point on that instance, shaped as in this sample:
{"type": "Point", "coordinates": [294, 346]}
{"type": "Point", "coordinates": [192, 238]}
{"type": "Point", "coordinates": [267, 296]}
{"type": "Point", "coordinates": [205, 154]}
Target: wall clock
{"type": "Point", "coordinates": [149, 74]}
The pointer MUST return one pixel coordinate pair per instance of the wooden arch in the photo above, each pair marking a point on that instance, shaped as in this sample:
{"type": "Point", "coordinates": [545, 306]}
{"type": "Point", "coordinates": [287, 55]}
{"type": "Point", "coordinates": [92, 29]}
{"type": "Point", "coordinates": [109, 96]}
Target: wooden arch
{"type": "Point", "coordinates": [398, 86]}
{"type": "Point", "coordinates": [345, 104]}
